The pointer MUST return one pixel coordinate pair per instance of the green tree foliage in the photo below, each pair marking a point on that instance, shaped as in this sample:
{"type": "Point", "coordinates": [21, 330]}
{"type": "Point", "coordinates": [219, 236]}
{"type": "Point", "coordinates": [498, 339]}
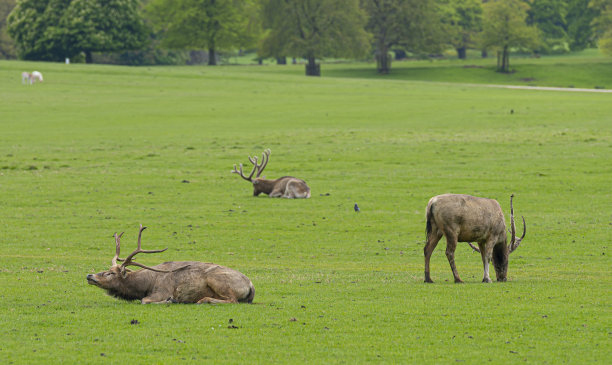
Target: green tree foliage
{"type": "Point", "coordinates": [202, 24]}
{"type": "Point", "coordinates": [579, 18]}
{"type": "Point", "coordinates": [51, 30]}
{"type": "Point", "coordinates": [103, 26]}
{"type": "Point", "coordinates": [603, 24]}
{"type": "Point", "coordinates": [315, 29]}
{"type": "Point", "coordinates": [7, 46]}
{"type": "Point", "coordinates": [411, 24]}
{"type": "Point", "coordinates": [34, 26]}
{"type": "Point", "coordinates": [462, 21]}
{"type": "Point", "coordinates": [504, 28]}
{"type": "Point", "coordinates": [253, 27]}
{"type": "Point", "coordinates": [549, 17]}
{"type": "Point", "coordinates": [273, 43]}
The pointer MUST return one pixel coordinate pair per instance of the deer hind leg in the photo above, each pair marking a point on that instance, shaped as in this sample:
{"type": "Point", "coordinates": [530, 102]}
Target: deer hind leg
{"type": "Point", "coordinates": [291, 194]}
{"type": "Point", "coordinates": [451, 245]}
{"type": "Point", "coordinates": [430, 246]}
{"type": "Point", "coordinates": [220, 290]}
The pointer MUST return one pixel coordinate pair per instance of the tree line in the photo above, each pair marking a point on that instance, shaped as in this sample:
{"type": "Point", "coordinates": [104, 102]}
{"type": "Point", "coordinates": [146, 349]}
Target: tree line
{"type": "Point", "coordinates": [160, 31]}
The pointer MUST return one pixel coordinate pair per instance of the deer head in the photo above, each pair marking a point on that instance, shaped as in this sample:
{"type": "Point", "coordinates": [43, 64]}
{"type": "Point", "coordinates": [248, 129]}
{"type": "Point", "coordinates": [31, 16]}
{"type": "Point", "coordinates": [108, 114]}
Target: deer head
{"type": "Point", "coordinates": [502, 252]}
{"type": "Point", "coordinates": [114, 276]}
{"type": "Point", "coordinates": [128, 260]}
{"type": "Point", "coordinates": [258, 169]}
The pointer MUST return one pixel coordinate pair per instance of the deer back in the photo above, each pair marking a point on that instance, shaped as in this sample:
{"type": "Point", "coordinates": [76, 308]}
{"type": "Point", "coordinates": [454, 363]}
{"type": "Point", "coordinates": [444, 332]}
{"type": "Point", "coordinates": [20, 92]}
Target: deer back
{"type": "Point", "coordinates": [471, 219]}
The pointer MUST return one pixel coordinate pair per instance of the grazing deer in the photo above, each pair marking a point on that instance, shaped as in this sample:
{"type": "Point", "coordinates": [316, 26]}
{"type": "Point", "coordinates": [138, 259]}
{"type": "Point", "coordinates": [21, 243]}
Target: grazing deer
{"type": "Point", "coordinates": [465, 218]}
{"type": "Point", "coordinates": [284, 187]}
{"type": "Point", "coordinates": [36, 76]}
{"type": "Point", "coordinates": [31, 78]}
{"type": "Point", "coordinates": [172, 282]}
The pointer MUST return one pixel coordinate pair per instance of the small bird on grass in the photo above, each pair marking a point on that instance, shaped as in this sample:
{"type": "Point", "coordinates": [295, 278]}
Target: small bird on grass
{"type": "Point", "coordinates": [357, 208]}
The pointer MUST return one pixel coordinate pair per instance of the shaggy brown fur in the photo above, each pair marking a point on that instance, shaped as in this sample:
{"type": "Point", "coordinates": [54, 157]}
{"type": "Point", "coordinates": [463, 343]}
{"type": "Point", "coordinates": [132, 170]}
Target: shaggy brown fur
{"type": "Point", "coordinates": [173, 282]}
{"type": "Point", "coordinates": [465, 218]}
{"type": "Point", "coordinates": [284, 187]}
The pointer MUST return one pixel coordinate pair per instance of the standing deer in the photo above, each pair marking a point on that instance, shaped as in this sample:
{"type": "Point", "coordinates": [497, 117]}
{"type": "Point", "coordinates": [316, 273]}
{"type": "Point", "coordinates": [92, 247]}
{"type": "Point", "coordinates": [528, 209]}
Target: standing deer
{"type": "Point", "coordinates": [283, 187]}
{"type": "Point", "coordinates": [26, 78]}
{"type": "Point", "coordinates": [172, 282]}
{"type": "Point", "coordinates": [465, 218]}
{"type": "Point", "coordinates": [36, 76]}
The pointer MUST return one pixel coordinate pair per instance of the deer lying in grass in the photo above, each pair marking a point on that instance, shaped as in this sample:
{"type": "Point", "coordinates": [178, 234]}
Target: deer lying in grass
{"type": "Point", "coordinates": [172, 282]}
{"type": "Point", "coordinates": [284, 187]}
{"type": "Point", "coordinates": [465, 218]}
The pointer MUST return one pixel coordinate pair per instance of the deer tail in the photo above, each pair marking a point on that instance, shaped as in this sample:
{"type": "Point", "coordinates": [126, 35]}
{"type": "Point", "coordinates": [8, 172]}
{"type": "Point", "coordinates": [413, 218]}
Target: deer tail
{"type": "Point", "coordinates": [429, 216]}
{"type": "Point", "coordinates": [251, 294]}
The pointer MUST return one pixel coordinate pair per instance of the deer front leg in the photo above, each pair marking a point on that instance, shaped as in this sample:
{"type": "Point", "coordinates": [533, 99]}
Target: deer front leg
{"type": "Point", "coordinates": [275, 194]}
{"type": "Point", "coordinates": [158, 298]}
{"type": "Point", "coordinates": [215, 300]}
{"type": "Point", "coordinates": [486, 251]}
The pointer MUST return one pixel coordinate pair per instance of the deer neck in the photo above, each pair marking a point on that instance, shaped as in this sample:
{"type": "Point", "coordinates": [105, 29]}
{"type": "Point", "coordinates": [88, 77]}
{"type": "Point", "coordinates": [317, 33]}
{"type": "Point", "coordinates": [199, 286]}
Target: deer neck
{"type": "Point", "coordinates": [136, 285]}
{"type": "Point", "coordinates": [263, 186]}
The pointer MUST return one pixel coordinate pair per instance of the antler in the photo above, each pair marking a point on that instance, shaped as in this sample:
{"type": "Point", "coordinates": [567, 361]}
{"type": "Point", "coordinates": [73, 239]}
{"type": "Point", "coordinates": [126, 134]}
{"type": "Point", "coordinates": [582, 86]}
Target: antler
{"type": "Point", "coordinates": [515, 242]}
{"type": "Point", "coordinates": [265, 157]}
{"type": "Point", "coordinates": [117, 249]}
{"type": "Point", "coordinates": [128, 260]}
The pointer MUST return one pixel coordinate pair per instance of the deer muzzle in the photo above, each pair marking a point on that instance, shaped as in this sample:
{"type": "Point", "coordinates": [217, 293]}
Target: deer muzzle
{"type": "Point", "coordinates": [91, 279]}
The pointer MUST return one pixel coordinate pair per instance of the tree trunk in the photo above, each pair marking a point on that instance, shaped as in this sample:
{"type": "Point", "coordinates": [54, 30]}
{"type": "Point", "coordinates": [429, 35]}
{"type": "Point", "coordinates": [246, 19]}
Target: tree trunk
{"type": "Point", "coordinates": [312, 67]}
{"type": "Point", "coordinates": [88, 57]}
{"type": "Point", "coordinates": [383, 61]}
{"type": "Point", "coordinates": [498, 61]}
{"type": "Point", "coordinates": [212, 60]}
{"type": "Point", "coordinates": [484, 53]}
{"type": "Point", "coordinates": [503, 60]}
{"type": "Point", "coordinates": [461, 53]}
{"type": "Point", "coordinates": [281, 60]}
{"type": "Point", "coordinates": [507, 52]}
{"type": "Point", "coordinates": [505, 66]}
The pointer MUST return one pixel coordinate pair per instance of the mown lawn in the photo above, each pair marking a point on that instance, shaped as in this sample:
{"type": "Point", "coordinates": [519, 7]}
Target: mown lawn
{"type": "Point", "coordinates": [99, 149]}
{"type": "Point", "coordinates": [588, 69]}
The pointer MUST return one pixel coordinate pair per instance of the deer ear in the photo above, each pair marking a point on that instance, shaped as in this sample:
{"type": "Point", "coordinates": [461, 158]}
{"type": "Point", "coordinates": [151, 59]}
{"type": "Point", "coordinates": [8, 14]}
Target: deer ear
{"type": "Point", "coordinates": [124, 272]}
{"type": "Point", "coordinates": [255, 182]}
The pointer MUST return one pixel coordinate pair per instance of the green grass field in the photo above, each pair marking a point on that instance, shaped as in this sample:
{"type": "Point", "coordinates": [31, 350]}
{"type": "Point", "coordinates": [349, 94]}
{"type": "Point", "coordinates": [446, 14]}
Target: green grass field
{"type": "Point", "coordinates": [99, 149]}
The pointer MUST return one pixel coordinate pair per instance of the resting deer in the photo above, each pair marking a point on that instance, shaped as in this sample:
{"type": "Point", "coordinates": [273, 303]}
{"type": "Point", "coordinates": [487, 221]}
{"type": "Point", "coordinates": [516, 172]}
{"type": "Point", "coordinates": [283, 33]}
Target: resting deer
{"type": "Point", "coordinates": [172, 282]}
{"type": "Point", "coordinates": [284, 187]}
{"type": "Point", "coordinates": [465, 218]}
